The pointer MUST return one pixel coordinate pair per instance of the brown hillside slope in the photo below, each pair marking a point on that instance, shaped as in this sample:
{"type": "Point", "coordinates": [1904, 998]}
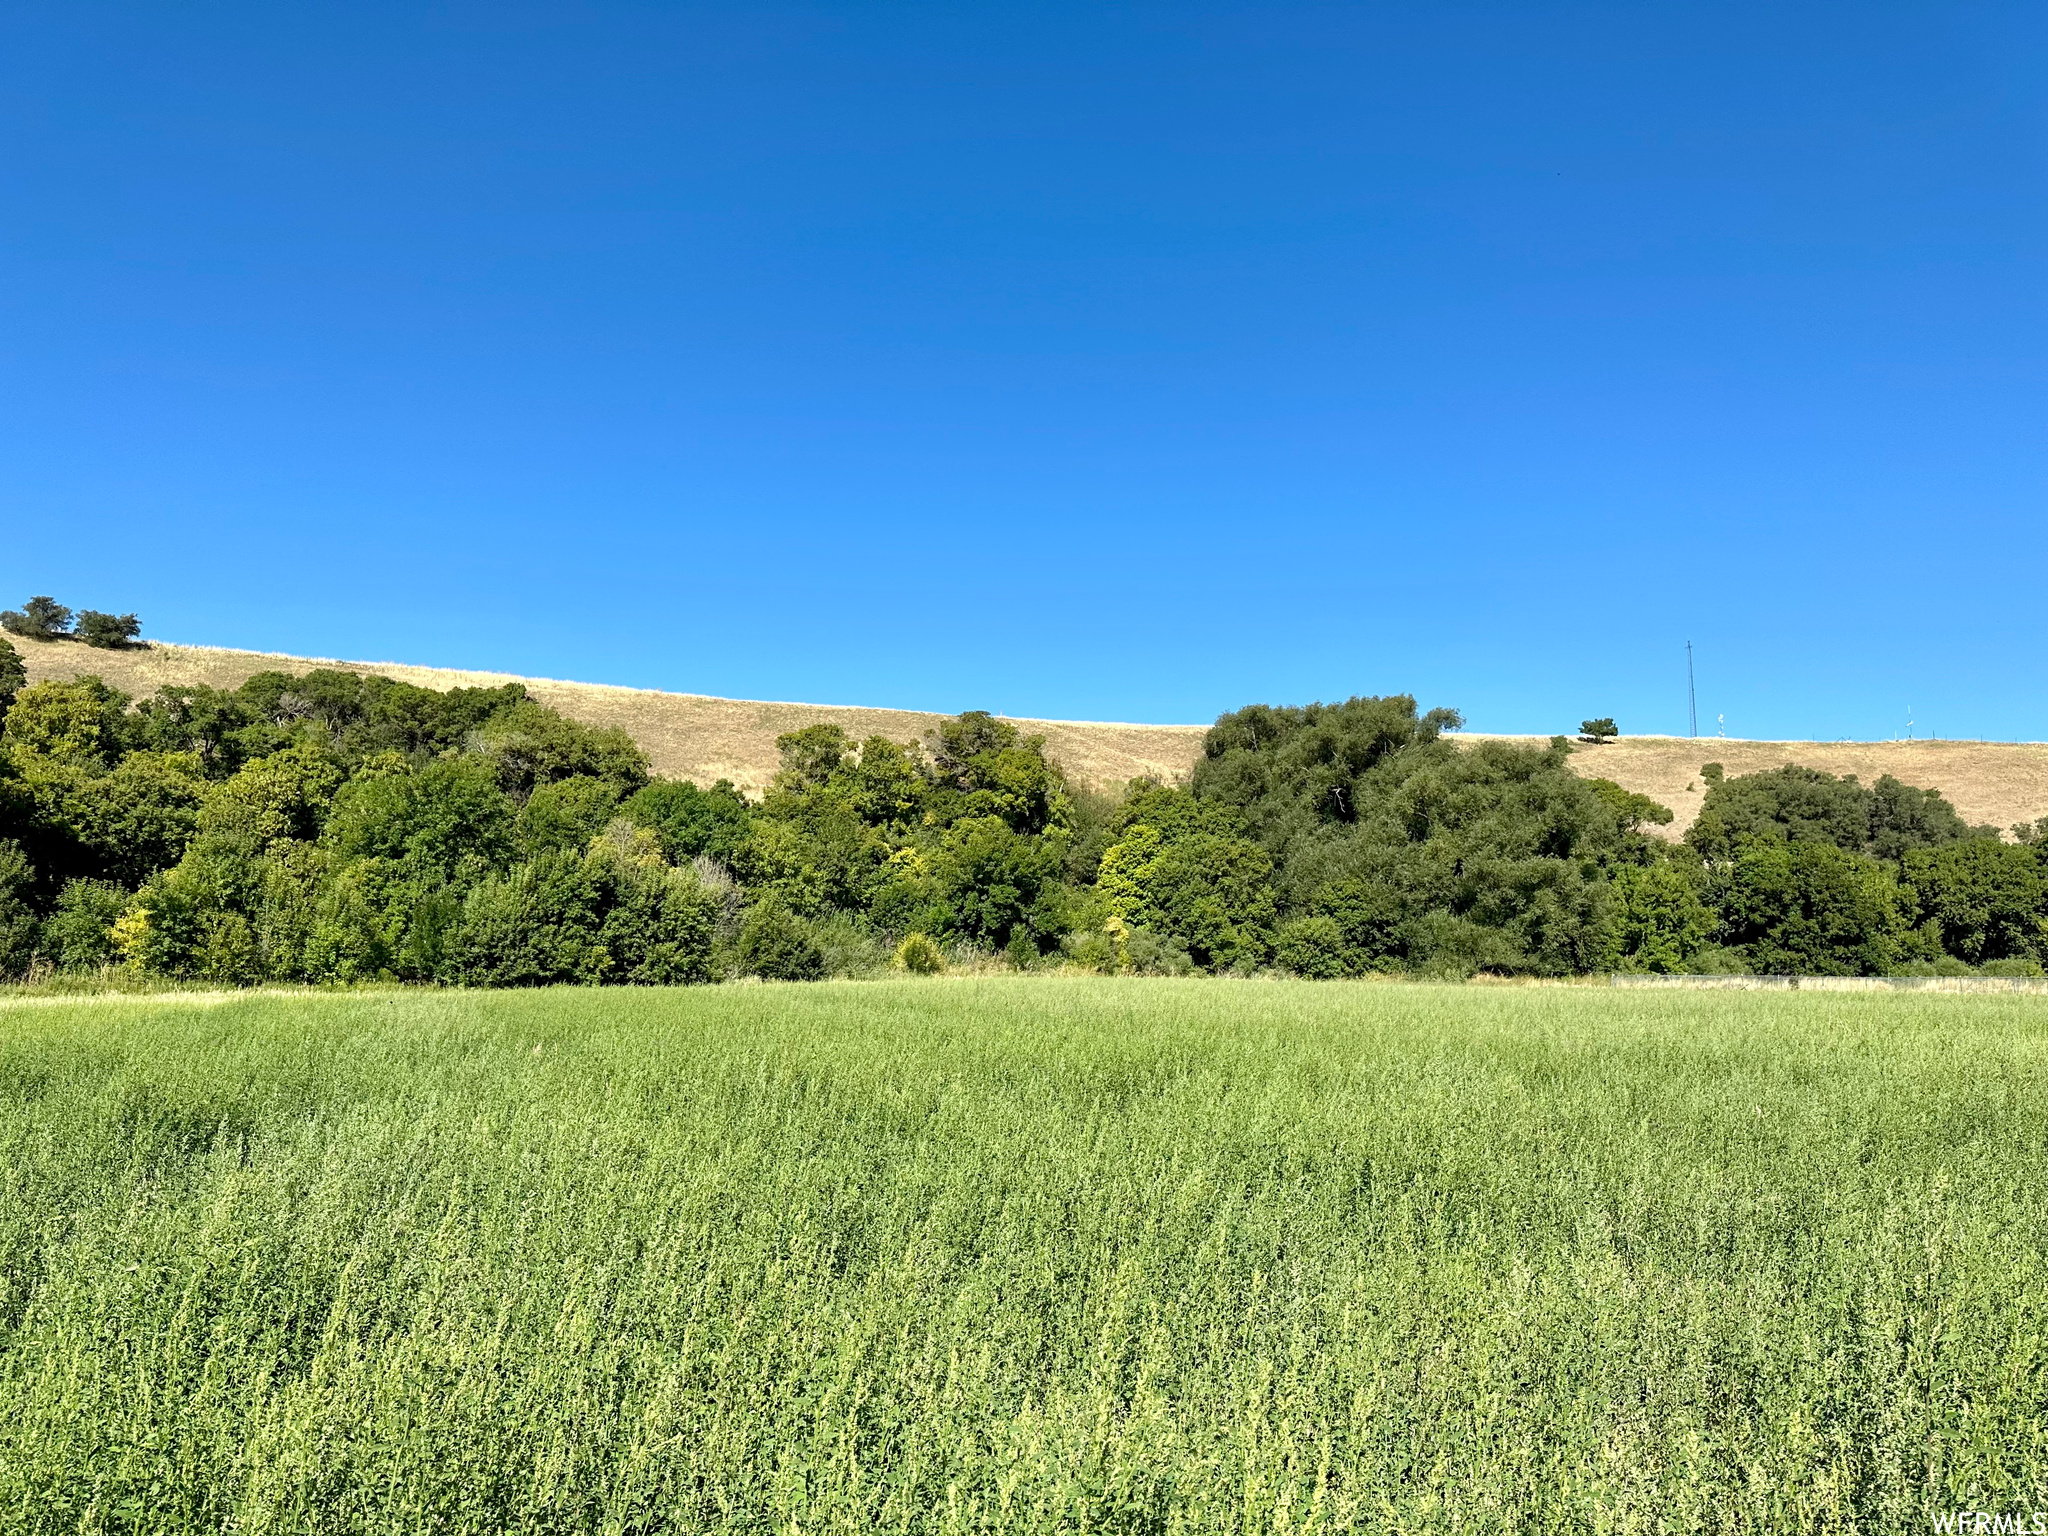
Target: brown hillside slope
{"type": "Point", "coordinates": [695, 737]}
{"type": "Point", "coordinates": [685, 735]}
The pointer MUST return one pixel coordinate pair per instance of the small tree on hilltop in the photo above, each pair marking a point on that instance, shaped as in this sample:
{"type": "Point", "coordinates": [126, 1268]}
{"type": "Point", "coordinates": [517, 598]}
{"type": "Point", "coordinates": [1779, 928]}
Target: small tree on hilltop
{"type": "Point", "coordinates": [107, 631]}
{"type": "Point", "coordinates": [1602, 729]}
{"type": "Point", "coordinates": [40, 618]}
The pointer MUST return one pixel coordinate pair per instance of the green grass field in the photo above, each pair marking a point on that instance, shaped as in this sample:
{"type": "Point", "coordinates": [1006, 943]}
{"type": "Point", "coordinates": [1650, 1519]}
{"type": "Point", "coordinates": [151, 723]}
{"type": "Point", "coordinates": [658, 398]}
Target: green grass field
{"type": "Point", "coordinates": [1023, 1255]}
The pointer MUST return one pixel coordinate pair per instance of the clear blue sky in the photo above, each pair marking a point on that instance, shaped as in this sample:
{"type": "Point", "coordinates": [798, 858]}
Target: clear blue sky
{"type": "Point", "coordinates": [1092, 361]}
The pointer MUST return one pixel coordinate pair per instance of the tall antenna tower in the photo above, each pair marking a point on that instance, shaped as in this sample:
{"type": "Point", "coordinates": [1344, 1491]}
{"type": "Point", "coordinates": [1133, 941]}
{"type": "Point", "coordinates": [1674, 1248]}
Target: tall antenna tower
{"type": "Point", "coordinates": [1692, 703]}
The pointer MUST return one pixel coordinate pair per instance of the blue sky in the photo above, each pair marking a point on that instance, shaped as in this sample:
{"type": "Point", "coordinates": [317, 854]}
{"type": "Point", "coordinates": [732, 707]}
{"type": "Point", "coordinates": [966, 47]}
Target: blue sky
{"type": "Point", "coordinates": [1090, 362]}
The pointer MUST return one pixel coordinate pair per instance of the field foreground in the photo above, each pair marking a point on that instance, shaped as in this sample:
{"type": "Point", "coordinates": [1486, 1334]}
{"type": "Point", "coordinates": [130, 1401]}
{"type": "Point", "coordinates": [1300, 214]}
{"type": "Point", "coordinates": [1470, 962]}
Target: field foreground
{"type": "Point", "coordinates": [1022, 1255]}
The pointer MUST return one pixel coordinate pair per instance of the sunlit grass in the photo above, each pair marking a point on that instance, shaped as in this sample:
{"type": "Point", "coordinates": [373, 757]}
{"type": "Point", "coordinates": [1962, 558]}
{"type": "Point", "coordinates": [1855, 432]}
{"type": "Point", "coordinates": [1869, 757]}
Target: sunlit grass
{"type": "Point", "coordinates": [1026, 1255]}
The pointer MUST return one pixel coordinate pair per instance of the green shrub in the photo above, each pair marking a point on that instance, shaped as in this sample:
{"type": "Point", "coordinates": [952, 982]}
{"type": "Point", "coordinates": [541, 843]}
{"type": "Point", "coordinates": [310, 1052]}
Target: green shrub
{"type": "Point", "coordinates": [13, 676]}
{"type": "Point", "coordinates": [1602, 729]}
{"type": "Point", "coordinates": [1811, 909]}
{"type": "Point", "coordinates": [79, 935]}
{"type": "Point", "coordinates": [566, 814]}
{"type": "Point", "coordinates": [108, 631]}
{"type": "Point", "coordinates": [19, 929]}
{"type": "Point", "coordinates": [533, 926]}
{"type": "Point", "coordinates": [690, 821]}
{"type": "Point", "coordinates": [776, 945]}
{"type": "Point", "coordinates": [1314, 947]}
{"type": "Point", "coordinates": [920, 955]}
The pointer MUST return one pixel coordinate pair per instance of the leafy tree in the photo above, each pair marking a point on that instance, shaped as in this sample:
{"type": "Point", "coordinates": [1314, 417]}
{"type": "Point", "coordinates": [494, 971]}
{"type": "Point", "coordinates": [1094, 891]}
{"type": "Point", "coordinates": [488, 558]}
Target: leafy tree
{"type": "Point", "coordinates": [533, 926]}
{"type": "Point", "coordinates": [1805, 805]}
{"type": "Point", "coordinates": [1428, 856]}
{"type": "Point", "coordinates": [19, 929]}
{"type": "Point", "coordinates": [40, 618]}
{"type": "Point", "coordinates": [1630, 810]}
{"type": "Point", "coordinates": [995, 884]}
{"type": "Point", "coordinates": [108, 631]}
{"type": "Point", "coordinates": [1810, 908]}
{"type": "Point", "coordinates": [444, 817]}
{"type": "Point", "coordinates": [775, 945]}
{"type": "Point", "coordinates": [221, 729]}
{"type": "Point", "coordinates": [981, 766]}
{"type": "Point", "coordinates": [79, 935]}
{"type": "Point", "coordinates": [690, 821]}
{"type": "Point", "coordinates": [286, 796]}
{"type": "Point", "coordinates": [131, 821]}
{"type": "Point", "coordinates": [1985, 900]}
{"type": "Point", "coordinates": [1660, 921]}
{"type": "Point", "coordinates": [13, 676]}
{"type": "Point", "coordinates": [563, 815]}
{"type": "Point", "coordinates": [1602, 729]}
{"type": "Point", "coordinates": [659, 923]}
{"type": "Point", "coordinates": [1211, 891]}
{"type": "Point", "coordinates": [530, 746]}
{"type": "Point", "coordinates": [1315, 947]}
{"type": "Point", "coordinates": [1903, 818]}
{"type": "Point", "coordinates": [82, 722]}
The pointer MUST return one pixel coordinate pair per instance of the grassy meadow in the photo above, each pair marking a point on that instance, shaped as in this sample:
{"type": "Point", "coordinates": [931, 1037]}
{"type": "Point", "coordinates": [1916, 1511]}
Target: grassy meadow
{"type": "Point", "coordinates": [1022, 1255]}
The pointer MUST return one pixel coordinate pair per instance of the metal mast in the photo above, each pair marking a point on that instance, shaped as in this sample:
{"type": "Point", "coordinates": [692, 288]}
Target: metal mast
{"type": "Point", "coordinates": [1692, 703]}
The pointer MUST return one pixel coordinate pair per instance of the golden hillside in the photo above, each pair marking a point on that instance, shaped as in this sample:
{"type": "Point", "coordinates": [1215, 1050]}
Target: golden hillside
{"type": "Point", "coordinates": [692, 736]}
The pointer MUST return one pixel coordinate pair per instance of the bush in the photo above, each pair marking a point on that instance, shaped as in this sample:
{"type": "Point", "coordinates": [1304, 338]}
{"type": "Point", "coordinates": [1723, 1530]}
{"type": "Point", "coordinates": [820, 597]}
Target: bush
{"type": "Point", "coordinates": [1660, 923]}
{"type": "Point", "coordinates": [920, 955]}
{"type": "Point", "coordinates": [1811, 909]}
{"type": "Point", "coordinates": [776, 945]}
{"type": "Point", "coordinates": [79, 935]}
{"type": "Point", "coordinates": [107, 631]}
{"type": "Point", "coordinates": [564, 815]}
{"type": "Point", "coordinates": [13, 676]}
{"type": "Point", "coordinates": [82, 722]}
{"type": "Point", "coordinates": [690, 821]}
{"type": "Point", "coordinates": [1984, 898]}
{"type": "Point", "coordinates": [531, 927]}
{"type": "Point", "coordinates": [19, 929]}
{"type": "Point", "coordinates": [1314, 947]}
{"type": "Point", "coordinates": [1602, 729]}
{"type": "Point", "coordinates": [40, 618]}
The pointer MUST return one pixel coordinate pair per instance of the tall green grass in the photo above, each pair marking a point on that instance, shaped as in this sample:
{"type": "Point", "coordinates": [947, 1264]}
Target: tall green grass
{"type": "Point", "coordinates": [1022, 1255]}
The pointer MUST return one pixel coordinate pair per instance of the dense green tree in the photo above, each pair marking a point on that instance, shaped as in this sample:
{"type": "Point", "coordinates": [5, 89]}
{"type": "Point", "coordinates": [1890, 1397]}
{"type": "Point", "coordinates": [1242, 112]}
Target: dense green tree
{"type": "Point", "coordinates": [528, 746]}
{"type": "Point", "coordinates": [533, 926]}
{"type": "Point", "coordinates": [83, 723]}
{"type": "Point", "coordinates": [40, 618]}
{"type": "Point", "coordinates": [1602, 729]}
{"type": "Point", "coordinates": [19, 927]}
{"type": "Point", "coordinates": [108, 631]}
{"type": "Point", "coordinates": [446, 816]}
{"type": "Point", "coordinates": [1183, 872]}
{"type": "Point", "coordinates": [1805, 805]}
{"type": "Point", "coordinates": [995, 884]}
{"type": "Point", "coordinates": [690, 821]}
{"type": "Point", "coordinates": [1985, 900]}
{"type": "Point", "coordinates": [130, 821]}
{"type": "Point", "coordinates": [1427, 855]}
{"type": "Point", "coordinates": [1810, 908]}
{"type": "Point", "coordinates": [13, 676]}
{"type": "Point", "coordinates": [776, 945]}
{"type": "Point", "coordinates": [564, 815]}
{"type": "Point", "coordinates": [1660, 921]}
{"type": "Point", "coordinates": [79, 935]}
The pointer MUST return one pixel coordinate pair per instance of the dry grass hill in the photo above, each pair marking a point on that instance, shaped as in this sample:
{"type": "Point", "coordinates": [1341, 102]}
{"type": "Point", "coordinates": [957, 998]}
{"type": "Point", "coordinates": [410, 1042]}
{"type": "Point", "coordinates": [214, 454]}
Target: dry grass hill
{"type": "Point", "coordinates": [696, 737]}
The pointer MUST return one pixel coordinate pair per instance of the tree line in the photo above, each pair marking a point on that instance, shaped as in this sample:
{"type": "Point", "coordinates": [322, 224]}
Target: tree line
{"type": "Point", "coordinates": [335, 827]}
